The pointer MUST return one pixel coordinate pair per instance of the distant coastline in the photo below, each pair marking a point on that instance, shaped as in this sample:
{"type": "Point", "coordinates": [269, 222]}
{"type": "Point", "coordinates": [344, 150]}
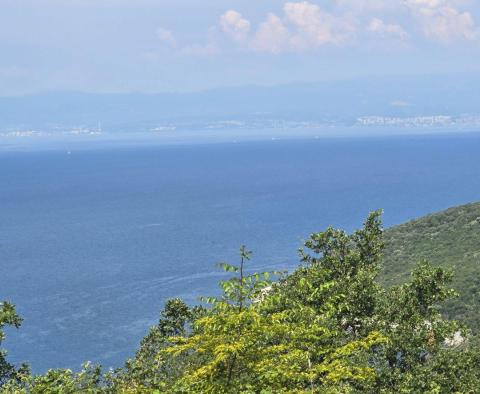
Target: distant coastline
{"type": "Point", "coordinates": [37, 141]}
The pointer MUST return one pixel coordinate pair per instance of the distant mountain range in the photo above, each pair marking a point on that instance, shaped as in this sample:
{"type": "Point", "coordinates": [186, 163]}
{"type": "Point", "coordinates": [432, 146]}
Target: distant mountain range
{"type": "Point", "coordinates": [450, 239]}
{"type": "Point", "coordinates": [400, 101]}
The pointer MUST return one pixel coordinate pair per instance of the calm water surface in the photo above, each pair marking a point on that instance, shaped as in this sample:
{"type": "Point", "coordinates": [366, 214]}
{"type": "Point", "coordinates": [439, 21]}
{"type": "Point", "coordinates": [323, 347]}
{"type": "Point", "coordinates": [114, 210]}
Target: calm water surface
{"type": "Point", "coordinates": [93, 242]}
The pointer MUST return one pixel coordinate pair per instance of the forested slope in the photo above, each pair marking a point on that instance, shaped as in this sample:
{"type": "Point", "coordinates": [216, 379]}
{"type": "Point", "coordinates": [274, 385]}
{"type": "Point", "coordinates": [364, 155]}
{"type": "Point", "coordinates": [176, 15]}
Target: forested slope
{"type": "Point", "coordinates": [450, 239]}
{"type": "Point", "coordinates": [329, 327]}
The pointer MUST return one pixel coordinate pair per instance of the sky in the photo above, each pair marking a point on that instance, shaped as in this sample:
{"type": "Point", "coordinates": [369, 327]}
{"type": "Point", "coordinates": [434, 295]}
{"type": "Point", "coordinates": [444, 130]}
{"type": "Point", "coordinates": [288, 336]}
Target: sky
{"type": "Point", "coordinates": [108, 46]}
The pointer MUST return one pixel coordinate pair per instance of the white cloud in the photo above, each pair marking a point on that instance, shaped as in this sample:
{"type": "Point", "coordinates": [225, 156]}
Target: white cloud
{"type": "Point", "coordinates": [447, 24]}
{"type": "Point", "coordinates": [166, 37]}
{"type": "Point", "coordinates": [303, 26]}
{"type": "Point", "coordinates": [272, 36]}
{"type": "Point", "coordinates": [316, 26]}
{"type": "Point", "coordinates": [425, 3]}
{"type": "Point", "coordinates": [441, 21]}
{"type": "Point", "coordinates": [364, 5]}
{"type": "Point", "coordinates": [233, 24]}
{"type": "Point", "coordinates": [378, 26]}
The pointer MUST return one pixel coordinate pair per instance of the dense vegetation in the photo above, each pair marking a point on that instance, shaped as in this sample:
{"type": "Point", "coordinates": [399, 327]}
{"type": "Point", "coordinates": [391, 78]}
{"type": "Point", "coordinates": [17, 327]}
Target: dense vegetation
{"type": "Point", "coordinates": [448, 239]}
{"type": "Point", "coordinates": [328, 327]}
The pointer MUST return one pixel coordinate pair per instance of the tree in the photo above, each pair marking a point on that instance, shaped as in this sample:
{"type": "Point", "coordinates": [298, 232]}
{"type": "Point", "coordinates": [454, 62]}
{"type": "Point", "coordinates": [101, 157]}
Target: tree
{"type": "Point", "coordinates": [329, 327]}
{"type": "Point", "coordinates": [150, 368]}
{"type": "Point", "coordinates": [58, 381]}
{"type": "Point", "coordinates": [409, 316]}
{"type": "Point", "coordinates": [8, 317]}
{"type": "Point", "coordinates": [247, 344]}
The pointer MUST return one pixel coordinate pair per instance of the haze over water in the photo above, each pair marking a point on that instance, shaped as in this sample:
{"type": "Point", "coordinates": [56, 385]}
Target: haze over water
{"type": "Point", "coordinates": [93, 241]}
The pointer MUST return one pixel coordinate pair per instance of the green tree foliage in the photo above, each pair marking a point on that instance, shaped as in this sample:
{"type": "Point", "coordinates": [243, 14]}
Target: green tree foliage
{"type": "Point", "coordinates": [449, 239]}
{"type": "Point", "coordinates": [328, 327]}
{"type": "Point", "coordinates": [60, 381]}
{"type": "Point", "coordinates": [8, 317]}
{"type": "Point", "coordinates": [242, 345]}
{"type": "Point", "coordinates": [150, 368]}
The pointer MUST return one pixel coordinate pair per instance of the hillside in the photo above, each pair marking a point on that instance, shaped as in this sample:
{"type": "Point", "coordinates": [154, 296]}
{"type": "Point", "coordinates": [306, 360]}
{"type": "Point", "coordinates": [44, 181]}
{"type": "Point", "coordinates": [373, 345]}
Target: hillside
{"type": "Point", "coordinates": [448, 239]}
{"type": "Point", "coordinates": [326, 102]}
{"type": "Point", "coordinates": [328, 327]}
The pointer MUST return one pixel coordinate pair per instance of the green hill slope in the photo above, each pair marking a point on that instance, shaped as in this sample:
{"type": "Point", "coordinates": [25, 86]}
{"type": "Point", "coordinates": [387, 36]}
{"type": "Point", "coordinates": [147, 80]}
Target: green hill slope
{"type": "Point", "coordinates": [449, 238]}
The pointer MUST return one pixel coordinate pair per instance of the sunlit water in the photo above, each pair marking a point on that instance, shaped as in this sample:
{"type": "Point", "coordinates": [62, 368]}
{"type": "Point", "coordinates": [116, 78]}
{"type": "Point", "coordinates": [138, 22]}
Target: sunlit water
{"type": "Point", "coordinates": [92, 241]}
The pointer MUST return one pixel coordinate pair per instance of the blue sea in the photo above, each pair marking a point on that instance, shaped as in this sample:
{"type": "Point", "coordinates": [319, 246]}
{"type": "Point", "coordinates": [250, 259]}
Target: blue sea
{"type": "Point", "coordinates": [95, 237]}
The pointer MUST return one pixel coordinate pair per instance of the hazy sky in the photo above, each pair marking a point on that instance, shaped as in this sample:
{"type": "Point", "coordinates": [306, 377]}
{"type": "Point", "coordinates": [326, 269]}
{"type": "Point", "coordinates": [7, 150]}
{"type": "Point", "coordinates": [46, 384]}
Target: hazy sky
{"type": "Point", "coordinates": [178, 45]}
